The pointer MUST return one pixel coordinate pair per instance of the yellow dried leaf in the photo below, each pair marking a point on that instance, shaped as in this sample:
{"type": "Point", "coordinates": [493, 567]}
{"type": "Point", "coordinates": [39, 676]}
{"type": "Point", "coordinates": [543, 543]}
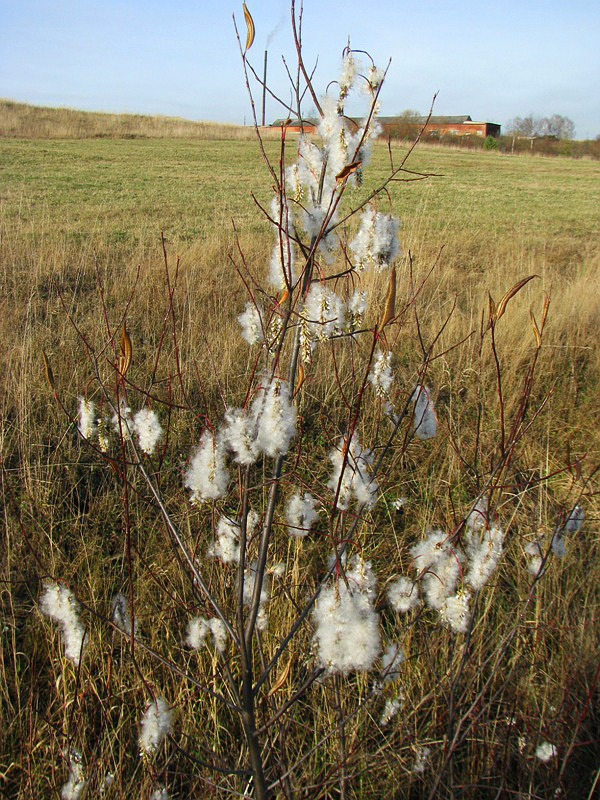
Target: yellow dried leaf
{"type": "Point", "coordinates": [300, 378]}
{"type": "Point", "coordinates": [511, 293]}
{"type": "Point", "coordinates": [347, 171]}
{"type": "Point", "coordinates": [250, 26]}
{"type": "Point", "coordinates": [282, 678]}
{"type": "Point", "coordinates": [536, 330]}
{"type": "Point", "coordinates": [545, 311]}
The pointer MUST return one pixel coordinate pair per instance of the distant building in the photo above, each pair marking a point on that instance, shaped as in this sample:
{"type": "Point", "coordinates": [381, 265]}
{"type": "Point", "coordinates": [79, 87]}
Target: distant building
{"type": "Point", "coordinates": [296, 126]}
{"type": "Point", "coordinates": [405, 125]}
{"type": "Point", "coordinates": [441, 126]}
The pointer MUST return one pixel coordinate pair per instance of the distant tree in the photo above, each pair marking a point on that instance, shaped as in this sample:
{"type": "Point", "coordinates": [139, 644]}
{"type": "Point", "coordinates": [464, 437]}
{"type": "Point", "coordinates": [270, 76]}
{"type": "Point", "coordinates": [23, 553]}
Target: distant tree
{"type": "Point", "coordinates": [528, 126]}
{"type": "Point", "coordinates": [409, 114]}
{"type": "Point", "coordinates": [559, 126]}
{"type": "Point", "coordinates": [408, 123]}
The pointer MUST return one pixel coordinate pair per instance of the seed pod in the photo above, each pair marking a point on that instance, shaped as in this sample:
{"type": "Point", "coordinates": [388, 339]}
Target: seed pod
{"type": "Point", "coordinates": [250, 26]}
{"type": "Point", "coordinates": [126, 352]}
{"type": "Point", "coordinates": [300, 379]}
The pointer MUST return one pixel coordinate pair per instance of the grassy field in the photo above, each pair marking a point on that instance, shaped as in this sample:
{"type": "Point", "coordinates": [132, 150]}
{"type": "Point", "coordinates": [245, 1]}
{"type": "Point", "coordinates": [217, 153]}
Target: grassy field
{"type": "Point", "coordinates": [80, 247]}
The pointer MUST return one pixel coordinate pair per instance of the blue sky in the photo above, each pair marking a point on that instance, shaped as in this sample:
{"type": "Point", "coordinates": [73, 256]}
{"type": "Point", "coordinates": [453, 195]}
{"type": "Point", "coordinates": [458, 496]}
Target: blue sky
{"type": "Point", "coordinates": [492, 60]}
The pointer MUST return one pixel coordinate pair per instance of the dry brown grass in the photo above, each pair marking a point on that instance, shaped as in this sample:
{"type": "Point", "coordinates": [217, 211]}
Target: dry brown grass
{"type": "Point", "coordinates": [64, 508]}
{"type": "Point", "coordinates": [21, 120]}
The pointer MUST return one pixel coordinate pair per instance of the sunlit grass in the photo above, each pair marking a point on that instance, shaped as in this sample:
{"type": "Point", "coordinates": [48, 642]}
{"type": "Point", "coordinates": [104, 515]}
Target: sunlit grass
{"type": "Point", "coordinates": [82, 217]}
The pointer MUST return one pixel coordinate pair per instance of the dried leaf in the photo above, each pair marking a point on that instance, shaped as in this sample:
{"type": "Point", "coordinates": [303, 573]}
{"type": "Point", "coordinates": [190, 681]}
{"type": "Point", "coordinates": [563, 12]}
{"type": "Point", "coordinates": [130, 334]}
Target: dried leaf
{"type": "Point", "coordinates": [301, 377]}
{"type": "Point", "coordinates": [493, 316]}
{"type": "Point", "coordinates": [536, 330]}
{"type": "Point", "coordinates": [390, 303]}
{"type": "Point", "coordinates": [284, 297]}
{"type": "Point", "coordinates": [282, 678]}
{"type": "Point", "coordinates": [347, 171]}
{"type": "Point", "coordinates": [250, 26]}
{"type": "Point", "coordinates": [48, 370]}
{"type": "Point", "coordinates": [116, 468]}
{"type": "Point", "coordinates": [126, 352]}
{"type": "Point", "coordinates": [545, 311]}
{"type": "Point", "coordinates": [510, 294]}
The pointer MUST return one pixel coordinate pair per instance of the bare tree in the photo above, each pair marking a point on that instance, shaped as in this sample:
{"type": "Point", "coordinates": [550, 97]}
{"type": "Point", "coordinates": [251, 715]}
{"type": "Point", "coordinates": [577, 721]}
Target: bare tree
{"type": "Point", "coordinates": [528, 126]}
{"type": "Point", "coordinates": [558, 126]}
{"type": "Point", "coordinates": [531, 126]}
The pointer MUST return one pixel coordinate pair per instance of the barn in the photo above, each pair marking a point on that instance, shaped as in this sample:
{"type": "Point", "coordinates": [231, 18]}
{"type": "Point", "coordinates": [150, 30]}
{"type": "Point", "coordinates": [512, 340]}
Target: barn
{"type": "Point", "coordinates": [296, 125]}
{"type": "Point", "coordinates": [406, 125]}
{"type": "Point", "coordinates": [439, 126]}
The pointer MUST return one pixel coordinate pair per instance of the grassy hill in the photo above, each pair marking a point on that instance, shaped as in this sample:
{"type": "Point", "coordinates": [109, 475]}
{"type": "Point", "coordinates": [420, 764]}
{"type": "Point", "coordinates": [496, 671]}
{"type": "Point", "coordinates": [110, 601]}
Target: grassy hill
{"type": "Point", "coordinates": [37, 122]}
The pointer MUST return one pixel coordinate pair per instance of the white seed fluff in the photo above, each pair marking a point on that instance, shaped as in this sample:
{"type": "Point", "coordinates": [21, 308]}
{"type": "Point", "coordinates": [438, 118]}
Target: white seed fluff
{"type": "Point", "coordinates": [199, 628]}
{"type": "Point", "coordinates": [347, 627]}
{"type": "Point", "coordinates": [357, 306]}
{"type": "Point", "coordinates": [403, 595]}
{"type": "Point", "coordinates": [196, 632]}
{"type": "Point", "coordinates": [324, 312]}
{"type": "Point", "coordinates": [455, 612]}
{"type": "Point", "coordinates": [227, 546]}
{"type": "Point", "coordinates": [559, 547]}
{"type": "Point", "coordinates": [347, 73]}
{"type": "Point", "coordinates": [251, 324]}
{"type": "Point", "coordinates": [206, 475]}
{"type": "Point", "coordinates": [249, 583]}
{"type": "Point", "coordinates": [391, 708]}
{"type": "Point", "coordinates": [280, 268]}
{"type": "Point", "coordinates": [381, 376]}
{"type": "Point", "coordinates": [352, 477]}
{"type": "Point", "coordinates": [59, 603]}
{"type": "Point", "coordinates": [534, 550]}
{"type": "Point", "coordinates": [546, 751]}
{"type": "Point", "coordinates": [572, 525]}
{"type": "Point", "coordinates": [300, 514]}
{"type": "Point", "coordinates": [442, 563]}
{"type": "Point", "coordinates": [148, 429]}
{"type": "Point", "coordinates": [391, 661]}
{"type": "Point", "coordinates": [275, 418]}
{"type": "Point", "coordinates": [122, 422]}
{"type": "Point", "coordinates": [157, 722]}
{"type": "Point", "coordinates": [219, 633]}
{"type": "Point", "coordinates": [76, 782]}
{"type": "Point", "coordinates": [574, 520]}
{"type": "Point", "coordinates": [120, 614]}
{"type": "Point", "coordinates": [87, 425]}
{"type": "Point", "coordinates": [239, 436]}
{"type": "Point", "coordinates": [484, 555]}
{"type": "Point", "coordinates": [376, 242]}
{"type": "Point", "coordinates": [478, 516]}
{"type": "Point", "coordinates": [421, 758]}
{"type": "Point", "coordinates": [424, 423]}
